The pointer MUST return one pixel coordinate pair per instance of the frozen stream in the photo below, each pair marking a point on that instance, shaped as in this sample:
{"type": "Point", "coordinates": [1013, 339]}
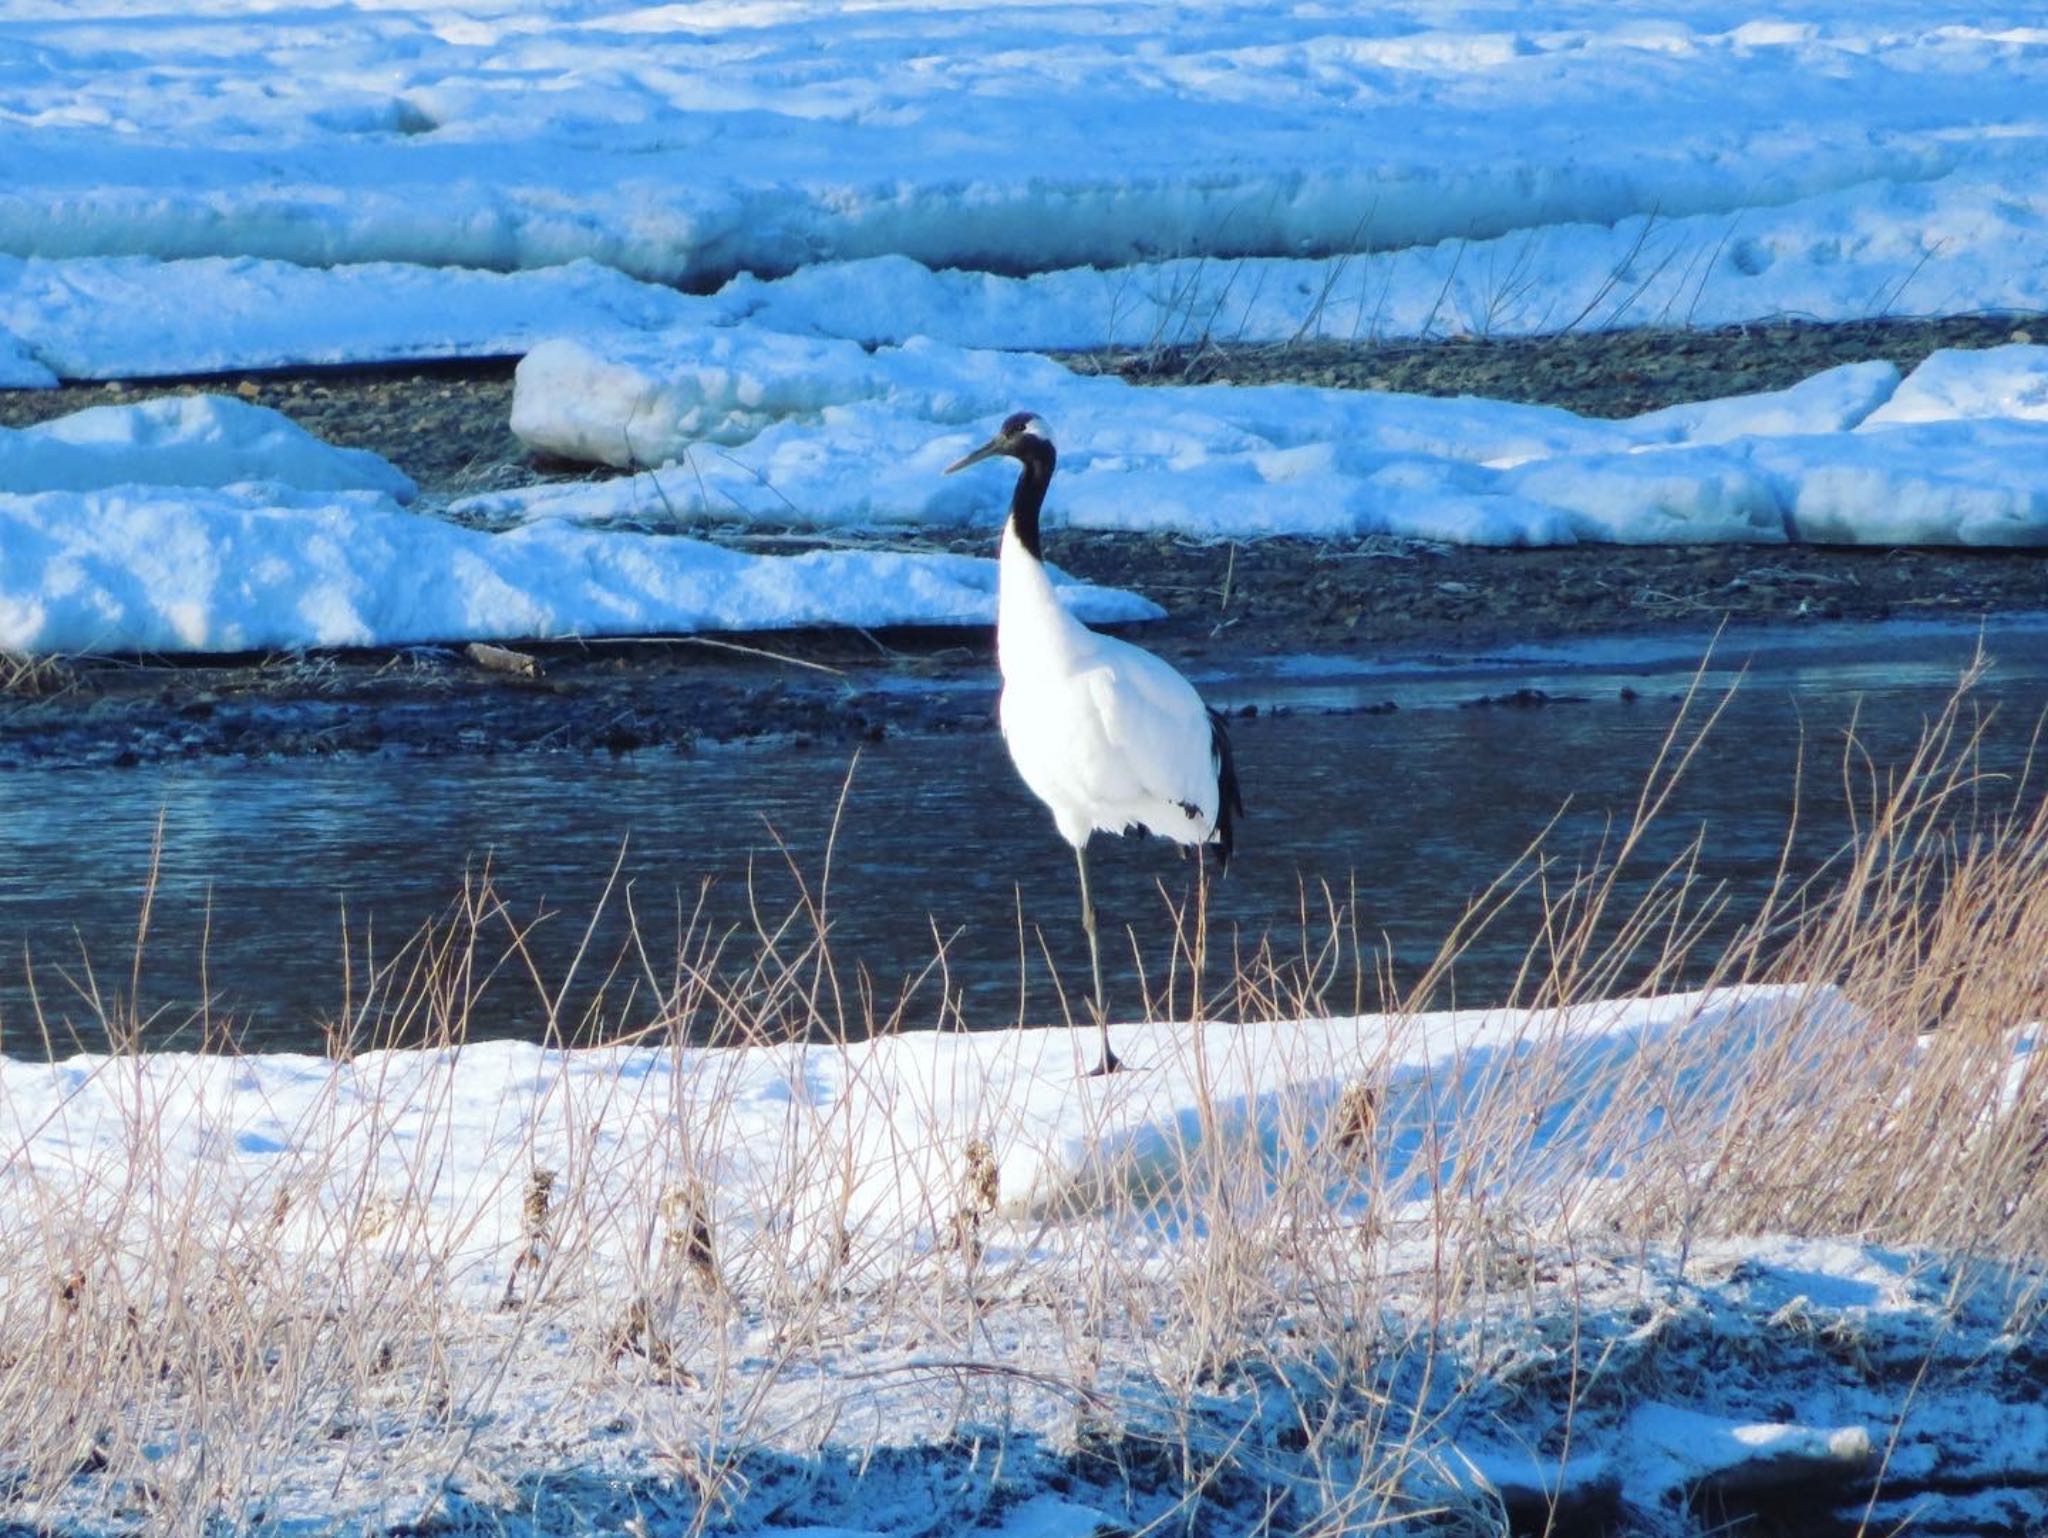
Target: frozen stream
{"type": "Point", "coordinates": [1418, 807]}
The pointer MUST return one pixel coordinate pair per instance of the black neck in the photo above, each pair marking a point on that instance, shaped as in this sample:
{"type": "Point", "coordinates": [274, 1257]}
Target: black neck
{"type": "Point", "coordinates": [1037, 458]}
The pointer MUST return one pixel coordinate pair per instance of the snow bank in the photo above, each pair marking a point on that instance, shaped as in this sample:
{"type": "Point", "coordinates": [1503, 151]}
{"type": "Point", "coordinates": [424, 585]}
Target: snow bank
{"type": "Point", "coordinates": [1969, 482]}
{"type": "Point", "coordinates": [208, 524]}
{"type": "Point", "coordinates": [192, 440]}
{"type": "Point", "coordinates": [767, 427]}
{"type": "Point", "coordinates": [203, 524]}
{"type": "Point", "coordinates": [1956, 243]}
{"type": "Point", "coordinates": [1928, 248]}
{"type": "Point", "coordinates": [129, 569]}
{"type": "Point", "coordinates": [893, 1116]}
{"type": "Point", "coordinates": [129, 317]}
{"type": "Point", "coordinates": [2009, 383]}
{"type": "Point", "coordinates": [639, 404]}
{"type": "Point", "coordinates": [1054, 137]}
{"type": "Point", "coordinates": [21, 369]}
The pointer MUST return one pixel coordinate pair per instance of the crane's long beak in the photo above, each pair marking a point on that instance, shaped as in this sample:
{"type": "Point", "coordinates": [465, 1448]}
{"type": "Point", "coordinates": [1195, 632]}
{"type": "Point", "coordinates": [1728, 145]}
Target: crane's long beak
{"type": "Point", "coordinates": [988, 450]}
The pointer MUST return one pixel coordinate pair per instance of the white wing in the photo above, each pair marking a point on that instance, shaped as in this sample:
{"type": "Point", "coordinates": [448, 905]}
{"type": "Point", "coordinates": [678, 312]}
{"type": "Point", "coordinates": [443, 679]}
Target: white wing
{"type": "Point", "coordinates": [1158, 733]}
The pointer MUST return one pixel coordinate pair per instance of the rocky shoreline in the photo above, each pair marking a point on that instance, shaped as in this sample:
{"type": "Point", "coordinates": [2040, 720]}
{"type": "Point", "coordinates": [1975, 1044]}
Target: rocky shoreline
{"type": "Point", "coordinates": [1229, 604]}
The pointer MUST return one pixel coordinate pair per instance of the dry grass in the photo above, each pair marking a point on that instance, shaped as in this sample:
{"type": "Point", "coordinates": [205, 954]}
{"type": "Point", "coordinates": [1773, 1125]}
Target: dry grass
{"type": "Point", "coordinates": [28, 677]}
{"type": "Point", "coordinates": [404, 1312]}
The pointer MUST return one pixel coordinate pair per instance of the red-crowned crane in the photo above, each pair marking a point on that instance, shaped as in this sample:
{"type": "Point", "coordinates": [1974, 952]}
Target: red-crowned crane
{"type": "Point", "coordinates": [1104, 733]}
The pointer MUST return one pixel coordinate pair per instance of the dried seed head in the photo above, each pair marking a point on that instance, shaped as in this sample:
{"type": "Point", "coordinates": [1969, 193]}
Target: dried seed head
{"type": "Point", "coordinates": [537, 1203]}
{"type": "Point", "coordinates": [979, 1187]}
{"type": "Point", "coordinates": [687, 1211]}
{"type": "Point", "coordinates": [534, 1251]}
{"type": "Point", "coordinates": [377, 1215]}
{"type": "Point", "coordinates": [984, 1180]}
{"type": "Point", "coordinates": [1356, 1119]}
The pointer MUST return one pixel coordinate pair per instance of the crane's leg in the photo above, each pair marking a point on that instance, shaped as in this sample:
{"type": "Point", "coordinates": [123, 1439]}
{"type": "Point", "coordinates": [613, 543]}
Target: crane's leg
{"type": "Point", "coordinates": [1109, 1063]}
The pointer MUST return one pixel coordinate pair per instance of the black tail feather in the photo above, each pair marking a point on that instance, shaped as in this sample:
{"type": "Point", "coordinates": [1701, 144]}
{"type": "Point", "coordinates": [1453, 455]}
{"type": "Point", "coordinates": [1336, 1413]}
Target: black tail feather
{"type": "Point", "coordinates": [1229, 799]}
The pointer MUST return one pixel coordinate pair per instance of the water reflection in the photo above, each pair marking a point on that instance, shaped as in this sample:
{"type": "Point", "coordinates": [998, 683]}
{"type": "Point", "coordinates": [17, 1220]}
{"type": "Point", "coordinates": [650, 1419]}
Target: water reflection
{"type": "Point", "coordinates": [1416, 810]}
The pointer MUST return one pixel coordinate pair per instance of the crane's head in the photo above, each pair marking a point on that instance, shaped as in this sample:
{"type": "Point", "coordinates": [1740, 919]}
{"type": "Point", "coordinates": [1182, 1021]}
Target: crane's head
{"type": "Point", "coordinates": [1022, 436]}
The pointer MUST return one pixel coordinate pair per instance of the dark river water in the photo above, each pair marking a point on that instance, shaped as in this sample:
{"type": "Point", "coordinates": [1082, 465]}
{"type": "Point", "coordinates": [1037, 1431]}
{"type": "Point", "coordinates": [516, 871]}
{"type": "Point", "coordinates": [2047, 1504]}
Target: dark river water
{"type": "Point", "coordinates": [1405, 812]}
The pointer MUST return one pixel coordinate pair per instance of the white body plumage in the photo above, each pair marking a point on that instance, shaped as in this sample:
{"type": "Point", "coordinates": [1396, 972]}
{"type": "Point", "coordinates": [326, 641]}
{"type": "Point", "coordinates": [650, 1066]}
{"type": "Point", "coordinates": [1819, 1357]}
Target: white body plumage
{"type": "Point", "coordinates": [1105, 734]}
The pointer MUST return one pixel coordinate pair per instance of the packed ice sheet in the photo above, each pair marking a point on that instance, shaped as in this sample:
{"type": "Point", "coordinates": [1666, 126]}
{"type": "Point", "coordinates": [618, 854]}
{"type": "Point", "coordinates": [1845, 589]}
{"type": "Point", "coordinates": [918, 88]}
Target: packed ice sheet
{"type": "Point", "coordinates": [202, 524]}
{"type": "Point", "coordinates": [818, 431]}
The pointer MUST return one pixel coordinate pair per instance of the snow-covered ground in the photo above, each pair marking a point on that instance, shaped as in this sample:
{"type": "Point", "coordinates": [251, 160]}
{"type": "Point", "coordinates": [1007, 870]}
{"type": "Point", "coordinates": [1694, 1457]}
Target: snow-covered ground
{"type": "Point", "coordinates": [760, 1252]}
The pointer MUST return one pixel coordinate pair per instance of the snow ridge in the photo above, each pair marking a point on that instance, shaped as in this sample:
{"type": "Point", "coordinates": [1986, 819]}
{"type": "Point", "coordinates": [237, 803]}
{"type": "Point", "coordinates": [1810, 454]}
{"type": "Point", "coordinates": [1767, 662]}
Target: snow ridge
{"type": "Point", "coordinates": [824, 431]}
